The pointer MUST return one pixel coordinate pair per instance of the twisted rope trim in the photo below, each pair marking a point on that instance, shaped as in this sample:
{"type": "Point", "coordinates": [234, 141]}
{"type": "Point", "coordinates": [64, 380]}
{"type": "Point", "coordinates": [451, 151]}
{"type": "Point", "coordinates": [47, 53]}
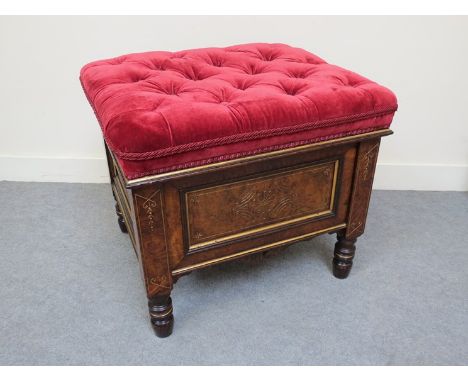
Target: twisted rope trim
{"type": "Point", "coordinates": [192, 146]}
{"type": "Point", "coordinates": [227, 157]}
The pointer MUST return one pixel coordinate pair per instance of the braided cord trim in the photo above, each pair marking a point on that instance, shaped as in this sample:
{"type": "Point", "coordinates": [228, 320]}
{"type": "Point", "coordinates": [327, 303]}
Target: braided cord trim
{"type": "Point", "coordinates": [227, 157]}
{"type": "Point", "coordinates": [248, 136]}
{"type": "Point", "coordinates": [193, 146]}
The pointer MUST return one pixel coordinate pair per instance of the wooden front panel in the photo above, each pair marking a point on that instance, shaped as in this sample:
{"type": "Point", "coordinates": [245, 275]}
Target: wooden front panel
{"type": "Point", "coordinates": [246, 207]}
{"type": "Point", "coordinates": [250, 207]}
{"type": "Point", "coordinates": [320, 181]}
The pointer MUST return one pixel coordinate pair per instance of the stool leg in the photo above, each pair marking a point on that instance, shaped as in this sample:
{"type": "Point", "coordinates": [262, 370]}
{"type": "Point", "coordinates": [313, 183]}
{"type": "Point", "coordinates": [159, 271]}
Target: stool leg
{"type": "Point", "coordinates": [120, 219]}
{"type": "Point", "coordinates": [162, 319]}
{"type": "Point", "coordinates": [343, 257]}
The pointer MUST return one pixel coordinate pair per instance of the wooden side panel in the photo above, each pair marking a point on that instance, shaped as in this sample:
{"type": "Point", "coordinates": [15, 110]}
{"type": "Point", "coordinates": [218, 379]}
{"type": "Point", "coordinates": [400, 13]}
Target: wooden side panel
{"type": "Point", "coordinates": [149, 211]}
{"type": "Point", "coordinates": [223, 212]}
{"type": "Point", "coordinates": [362, 187]}
{"type": "Point", "coordinates": [123, 198]}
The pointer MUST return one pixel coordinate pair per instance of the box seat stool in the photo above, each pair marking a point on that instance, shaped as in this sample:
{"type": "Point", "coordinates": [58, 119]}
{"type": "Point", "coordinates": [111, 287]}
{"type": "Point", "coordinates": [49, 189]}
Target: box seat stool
{"type": "Point", "coordinates": [219, 153]}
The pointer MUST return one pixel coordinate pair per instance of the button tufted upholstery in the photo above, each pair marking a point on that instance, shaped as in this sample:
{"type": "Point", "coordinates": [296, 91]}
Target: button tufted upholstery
{"type": "Point", "coordinates": [161, 111]}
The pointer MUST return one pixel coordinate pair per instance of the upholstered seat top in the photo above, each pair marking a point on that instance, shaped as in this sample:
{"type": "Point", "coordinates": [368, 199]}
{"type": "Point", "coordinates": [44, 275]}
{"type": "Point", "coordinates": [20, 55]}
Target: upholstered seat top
{"type": "Point", "coordinates": [161, 111]}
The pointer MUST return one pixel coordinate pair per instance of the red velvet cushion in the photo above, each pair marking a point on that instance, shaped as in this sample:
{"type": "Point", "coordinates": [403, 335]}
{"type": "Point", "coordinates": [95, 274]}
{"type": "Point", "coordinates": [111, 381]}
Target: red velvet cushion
{"type": "Point", "coordinates": [161, 111]}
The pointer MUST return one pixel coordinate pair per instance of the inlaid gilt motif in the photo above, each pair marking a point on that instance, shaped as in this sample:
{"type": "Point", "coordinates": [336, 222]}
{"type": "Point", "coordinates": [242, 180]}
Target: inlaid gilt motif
{"type": "Point", "coordinates": [221, 212]}
{"type": "Point", "coordinates": [150, 220]}
{"type": "Point", "coordinates": [266, 204]}
{"type": "Point", "coordinates": [368, 152]}
{"type": "Point", "coordinates": [368, 161]}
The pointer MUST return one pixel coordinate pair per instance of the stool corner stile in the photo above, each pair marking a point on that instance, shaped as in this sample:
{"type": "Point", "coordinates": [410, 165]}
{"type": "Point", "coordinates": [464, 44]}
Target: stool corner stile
{"type": "Point", "coordinates": [345, 248]}
{"type": "Point", "coordinates": [151, 211]}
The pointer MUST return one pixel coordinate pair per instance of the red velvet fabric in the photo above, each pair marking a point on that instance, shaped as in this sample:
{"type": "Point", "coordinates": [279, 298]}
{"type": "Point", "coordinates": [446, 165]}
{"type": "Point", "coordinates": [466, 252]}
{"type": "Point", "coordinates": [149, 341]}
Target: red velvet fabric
{"type": "Point", "coordinates": [161, 111]}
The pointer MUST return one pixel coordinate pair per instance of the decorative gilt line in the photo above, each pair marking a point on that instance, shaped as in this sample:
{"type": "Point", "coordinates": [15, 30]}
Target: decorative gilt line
{"type": "Point", "coordinates": [148, 204]}
{"type": "Point", "coordinates": [158, 281]}
{"type": "Point", "coordinates": [163, 220]}
{"type": "Point", "coordinates": [148, 207]}
{"type": "Point", "coordinates": [354, 226]}
{"type": "Point", "coordinates": [259, 229]}
{"type": "Point", "coordinates": [368, 160]}
{"type": "Point", "coordinates": [195, 199]}
{"type": "Point", "coordinates": [362, 187]}
{"type": "Point", "coordinates": [161, 315]}
{"type": "Point", "coordinates": [333, 191]}
{"type": "Point", "coordinates": [257, 249]}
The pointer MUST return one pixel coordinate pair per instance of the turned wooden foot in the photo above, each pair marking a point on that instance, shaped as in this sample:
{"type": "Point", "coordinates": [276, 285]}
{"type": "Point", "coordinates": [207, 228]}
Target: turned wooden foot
{"type": "Point", "coordinates": [120, 219]}
{"type": "Point", "coordinates": [343, 257]}
{"type": "Point", "coordinates": [162, 319]}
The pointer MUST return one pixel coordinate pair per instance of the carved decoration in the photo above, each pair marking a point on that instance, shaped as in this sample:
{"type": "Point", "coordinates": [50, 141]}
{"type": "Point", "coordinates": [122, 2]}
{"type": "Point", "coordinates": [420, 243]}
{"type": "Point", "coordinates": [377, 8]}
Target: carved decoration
{"type": "Point", "coordinates": [153, 245]}
{"type": "Point", "coordinates": [367, 159]}
{"type": "Point", "coordinates": [267, 204]}
{"type": "Point", "coordinates": [219, 212]}
{"type": "Point", "coordinates": [149, 205]}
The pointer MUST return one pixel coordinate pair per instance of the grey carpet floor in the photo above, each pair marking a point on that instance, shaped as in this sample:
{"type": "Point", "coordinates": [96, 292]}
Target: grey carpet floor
{"type": "Point", "coordinates": [71, 293]}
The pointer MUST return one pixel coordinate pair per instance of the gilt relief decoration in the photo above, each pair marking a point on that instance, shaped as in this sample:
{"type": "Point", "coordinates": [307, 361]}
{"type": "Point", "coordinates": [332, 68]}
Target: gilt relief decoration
{"type": "Point", "coordinates": [221, 212]}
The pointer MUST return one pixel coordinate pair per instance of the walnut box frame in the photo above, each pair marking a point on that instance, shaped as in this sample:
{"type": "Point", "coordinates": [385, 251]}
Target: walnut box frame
{"type": "Point", "coordinates": [189, 219]}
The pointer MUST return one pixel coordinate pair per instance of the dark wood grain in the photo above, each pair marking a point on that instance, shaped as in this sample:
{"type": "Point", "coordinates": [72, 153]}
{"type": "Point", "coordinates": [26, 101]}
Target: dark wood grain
{"type": "Point", "coordinates": [148, 204]}
{"type": "Point", "coordinates": [162, 319]}
{"type": "Point", "coordinates": [183, 221]}
{"type": "Point", "coordinates": [362, 187]}
{"type": "Point", "coordinates": [120, 218]}
{"type": "Point", "coordinates": [343, 255]}
{"type": "Point", "coordinates": [237, 208]}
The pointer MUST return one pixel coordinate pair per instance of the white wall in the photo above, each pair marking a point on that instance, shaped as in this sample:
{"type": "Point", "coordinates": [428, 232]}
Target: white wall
{"type": "Point", "coordinates": [48, 131]}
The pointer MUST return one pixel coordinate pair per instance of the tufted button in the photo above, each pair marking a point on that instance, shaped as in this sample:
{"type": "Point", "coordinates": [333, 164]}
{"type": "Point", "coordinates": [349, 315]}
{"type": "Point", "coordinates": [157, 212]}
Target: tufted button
{"type": "Point", "coordinates": [293, 87]}
{"type": "Point", "coordinates": [138, 78]}
{"type": "Point", "coordinates": [291, 91]}
{"type": "Point", "coordinates": [195, 76]}
{"type": "Point", "coordinates": [267, 56]}
{"type": "Point", "coordinates": [169, 89]}
{"type": "Point", "coordinates": [223, 96]}
{"type": "Point", "coordinates": [298, 74]}
{"type": "Point", "coordinates": [244, 84]}
{"type": "Point", "coordinates": [215, 61]}
{"type": "Point", "coordinates": [191, 76]}
{"type": "Point", "coordinates": [212, 100]}
{"type": "Point", "coordinates": [241, 87]}
{"type": "Point", "coordinates": [193, 72]}
{"type": "Point", "coordinates": [253, 70]}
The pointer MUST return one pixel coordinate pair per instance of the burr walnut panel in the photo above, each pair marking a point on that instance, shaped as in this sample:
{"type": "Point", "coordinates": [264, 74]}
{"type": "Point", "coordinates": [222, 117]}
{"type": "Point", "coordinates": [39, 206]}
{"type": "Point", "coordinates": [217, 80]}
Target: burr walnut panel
{"type": "Point", "coordinates": [220, 213]}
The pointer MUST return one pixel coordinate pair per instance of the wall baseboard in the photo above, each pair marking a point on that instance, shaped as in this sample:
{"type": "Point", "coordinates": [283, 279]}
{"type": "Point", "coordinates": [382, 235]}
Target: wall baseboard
{"type": "Point", "coordinates": [421, 177]}
{"type": "Point", "coordinates": [424, 177]}
{"type": "Point", "coordinates": [54, 169]}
